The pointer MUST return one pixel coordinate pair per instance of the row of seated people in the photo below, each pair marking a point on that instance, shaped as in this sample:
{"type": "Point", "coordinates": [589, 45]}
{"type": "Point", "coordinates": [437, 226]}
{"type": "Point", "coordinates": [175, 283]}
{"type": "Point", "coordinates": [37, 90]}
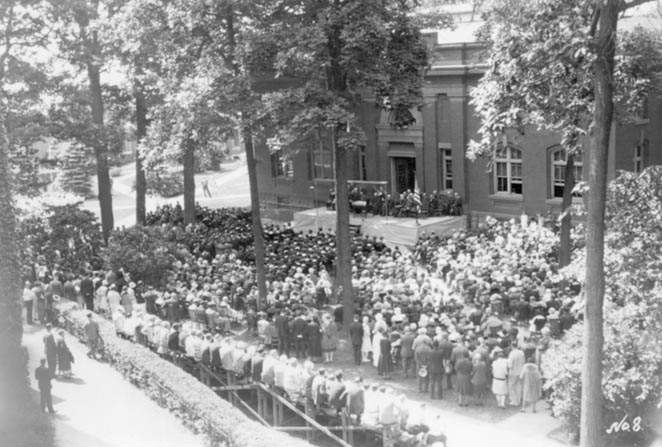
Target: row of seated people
{"type": "Point", "coordinates": [320, 392]}
{"type": "Point", "coordinates": [215, 316]}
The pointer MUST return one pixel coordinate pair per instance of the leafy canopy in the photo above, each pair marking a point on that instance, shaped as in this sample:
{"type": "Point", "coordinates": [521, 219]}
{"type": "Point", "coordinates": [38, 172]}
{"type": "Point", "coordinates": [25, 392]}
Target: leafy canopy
{"type": "Point", "coordinates": [540, 73]}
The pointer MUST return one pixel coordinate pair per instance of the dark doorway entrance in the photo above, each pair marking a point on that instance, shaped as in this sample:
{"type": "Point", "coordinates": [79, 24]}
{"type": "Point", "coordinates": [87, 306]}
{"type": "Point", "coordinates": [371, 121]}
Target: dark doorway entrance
{"type": "Point", "coordinates": [404, 174]}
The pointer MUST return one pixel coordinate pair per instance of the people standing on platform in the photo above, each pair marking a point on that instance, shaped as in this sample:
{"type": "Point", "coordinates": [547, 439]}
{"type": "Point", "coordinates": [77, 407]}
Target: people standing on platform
{"type": "Point", "coordinates": [44, 376]}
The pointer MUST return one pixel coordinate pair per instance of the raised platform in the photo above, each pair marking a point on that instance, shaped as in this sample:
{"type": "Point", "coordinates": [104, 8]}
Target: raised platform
{"type": "Point", "coordinates": [402, 231]}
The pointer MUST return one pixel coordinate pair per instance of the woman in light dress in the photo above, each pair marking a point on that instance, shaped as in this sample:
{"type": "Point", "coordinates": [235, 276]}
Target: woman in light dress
{"type": "Point", "coordinates": [499, 379]}
{"type": "Point", "coordinates": [366, 344]}
{"type": "Point", "coordinates": [376, 347]}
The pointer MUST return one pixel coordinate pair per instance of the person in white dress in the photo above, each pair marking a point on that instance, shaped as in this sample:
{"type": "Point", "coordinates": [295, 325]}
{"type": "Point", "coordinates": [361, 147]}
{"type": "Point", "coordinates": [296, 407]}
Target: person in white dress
{"type": "Point", "coordinates": [376, 348]}
{"type": "Point", "coordinates": [366, 344]}
{"type": "Point", "coordinates": [500, 379]}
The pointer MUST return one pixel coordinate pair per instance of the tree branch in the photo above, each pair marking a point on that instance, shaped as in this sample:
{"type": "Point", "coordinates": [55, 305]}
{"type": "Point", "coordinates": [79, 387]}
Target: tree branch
{"type": "Point", "coordinates": [631, 4]}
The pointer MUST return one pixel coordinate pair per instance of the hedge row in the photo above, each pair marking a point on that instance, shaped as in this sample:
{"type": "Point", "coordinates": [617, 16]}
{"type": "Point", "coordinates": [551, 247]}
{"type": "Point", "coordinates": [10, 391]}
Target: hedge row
{"type": "Point", "coordinates": [198, 407]}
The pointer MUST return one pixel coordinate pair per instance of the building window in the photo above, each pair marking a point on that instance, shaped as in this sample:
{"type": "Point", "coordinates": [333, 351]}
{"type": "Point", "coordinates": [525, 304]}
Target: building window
{"type": "Point", "coordinates": [322, 161]}
{"type": "Point", "coordinates": [508, 171]}
{"type": "Point", "coordinates": [639, 153]}
{"type": "Point", "coordinates": [559, 160]}
{"type": "Point", "coordinates": [281, 166]}
{"type": "Point", "coordinates": [446, 169]}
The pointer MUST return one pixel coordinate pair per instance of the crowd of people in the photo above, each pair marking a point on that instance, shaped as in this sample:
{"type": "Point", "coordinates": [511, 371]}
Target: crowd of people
{"type": "Point", "coordinates": [473, 312]}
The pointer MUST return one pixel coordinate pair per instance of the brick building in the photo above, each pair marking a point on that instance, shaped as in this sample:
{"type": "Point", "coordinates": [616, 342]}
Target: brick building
{"type": "Point", "coordinates": [526, 177]}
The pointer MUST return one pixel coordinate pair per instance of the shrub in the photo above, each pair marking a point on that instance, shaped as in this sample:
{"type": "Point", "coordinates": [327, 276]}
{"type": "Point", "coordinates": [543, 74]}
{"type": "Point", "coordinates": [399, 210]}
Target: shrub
{"type": "Point", "coordinates": [164, 182]}
{"type": "Point", "coordinates": [199, 408]}
{"type": "Point", "coordinates": [66, 235]}
{"type": "Point", "coordinates": [145, 253]}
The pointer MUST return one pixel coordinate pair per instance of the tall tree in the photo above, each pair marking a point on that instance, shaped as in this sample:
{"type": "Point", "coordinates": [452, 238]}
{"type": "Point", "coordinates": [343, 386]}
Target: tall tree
{"type": "Point", "coordinates": [21, 29]}
{"type": "Point", "coordinates": [343, 52]}
{"type": "Point", "coordinates": [78, 38]}
{"type": "Point", "coordinates": [206, 46]}
{"type": "Point", "coordinates": [553, 65]}
{"type": "Point", "coordinates": [133, 34]}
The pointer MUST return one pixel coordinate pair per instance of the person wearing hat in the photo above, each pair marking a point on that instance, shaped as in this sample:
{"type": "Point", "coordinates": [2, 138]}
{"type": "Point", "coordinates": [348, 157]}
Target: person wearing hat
{"type": "Point", "coordinates": [64, 356]}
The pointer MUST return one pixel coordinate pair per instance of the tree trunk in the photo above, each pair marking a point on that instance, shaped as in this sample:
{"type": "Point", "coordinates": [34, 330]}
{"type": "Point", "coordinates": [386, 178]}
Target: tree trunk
{"type": "Point", "coordinates": [343, 239]}
{"type": "Point", "coordinates": [100, 152]}
{"type": "Point", "coordinates": [12, 366]}
{"type": "Point", "coordinates": [258, 235]}
{"type": "Point", "coordinates": [566, 220]}
{"type": "Point", "coordinates": [189, 181]}
{"type": "Point", "coordinates": [591, 424]}
{"type": "Point", "coordinates": [141, 132]}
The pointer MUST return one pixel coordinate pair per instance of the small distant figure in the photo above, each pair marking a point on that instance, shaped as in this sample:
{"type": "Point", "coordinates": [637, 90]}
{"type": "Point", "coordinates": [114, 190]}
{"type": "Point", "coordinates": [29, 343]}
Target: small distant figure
{"type": "Point", "coordinates": [205, 188]}
{"type": "Point", "coordinates": [43, 376]}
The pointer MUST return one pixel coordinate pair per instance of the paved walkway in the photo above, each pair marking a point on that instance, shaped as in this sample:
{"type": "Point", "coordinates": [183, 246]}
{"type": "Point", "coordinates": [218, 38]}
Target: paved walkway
{"type": "Point", "coordinates": [98, 408]}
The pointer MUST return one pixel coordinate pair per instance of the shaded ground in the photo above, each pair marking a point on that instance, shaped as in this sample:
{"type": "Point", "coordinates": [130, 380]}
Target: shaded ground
{"type": "Point", "coordinates": [98, 408]}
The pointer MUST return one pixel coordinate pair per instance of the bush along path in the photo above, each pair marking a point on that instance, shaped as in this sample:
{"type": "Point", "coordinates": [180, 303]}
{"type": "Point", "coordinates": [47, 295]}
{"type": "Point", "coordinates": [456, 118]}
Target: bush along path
{"type": "Point", "coordinates": [215, 420]}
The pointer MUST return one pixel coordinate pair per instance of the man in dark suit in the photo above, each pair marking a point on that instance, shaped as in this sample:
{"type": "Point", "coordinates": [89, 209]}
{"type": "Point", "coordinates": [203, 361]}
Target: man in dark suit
{"type": "Point", "coordinates": [459, 351]}
{"type": "Point", "coordinates": [407, 351]}
{"type": "Point", "coordinates": [356, 335]}
{"type": "Point", "coordinates": [50, 348]}
{"type": "Point", "coordinates": [150, 300]}
{"type": "Point", "coordinates": [422, 356]}
{"type": "Point", "coordinates": [43, 376]}
{"type": "Point", "coordinates": [299, 326]}
{"type": "Point", "coordinates": [87, 291]}
{"type": "Point", "coordinates": [446, 347]}
{"type": "Point", "coordinates": [335, 388]}
{"type": "Point", "coordinates": [282, 323]}
{"type": "Point", "coordinates": [173, 340]}
{"type": "Point", "coordinates": [354, 397]}
{"type": "Point", "coordinates": [436, 370]}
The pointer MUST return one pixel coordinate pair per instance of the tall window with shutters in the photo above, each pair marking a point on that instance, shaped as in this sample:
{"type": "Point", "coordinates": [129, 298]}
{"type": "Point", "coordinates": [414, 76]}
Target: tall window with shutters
{"type": "Point", "coordinates": [508, 171]}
